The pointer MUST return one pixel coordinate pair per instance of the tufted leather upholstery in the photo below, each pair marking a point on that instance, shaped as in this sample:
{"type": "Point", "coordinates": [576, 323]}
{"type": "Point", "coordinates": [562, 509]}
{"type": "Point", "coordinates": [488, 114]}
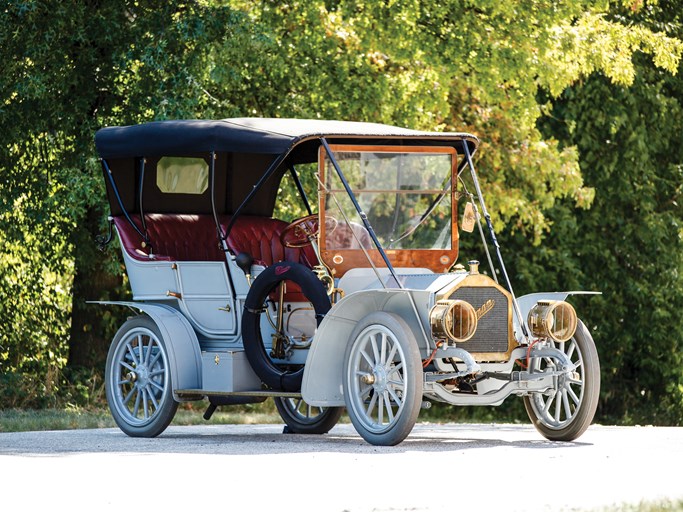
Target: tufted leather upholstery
{"type": "Point", "coordinates": [260, 237]}
{"type": "Point", "coordinates": [173, 237]}
{"type": "Point", "coordinates": [184, 237]}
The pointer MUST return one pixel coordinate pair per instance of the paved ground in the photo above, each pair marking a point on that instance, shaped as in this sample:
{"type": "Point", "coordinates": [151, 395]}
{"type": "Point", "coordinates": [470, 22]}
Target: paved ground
{"type": "Point", "coordinates": [438, 468]}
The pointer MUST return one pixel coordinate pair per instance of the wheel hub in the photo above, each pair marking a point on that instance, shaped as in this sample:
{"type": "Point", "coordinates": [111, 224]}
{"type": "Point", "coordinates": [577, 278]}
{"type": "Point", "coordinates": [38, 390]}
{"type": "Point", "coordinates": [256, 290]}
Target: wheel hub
{"type": "Point", "coordinates": [368, 379]}
{"type": "Point", "coordinates": [140, 376]}
{"type": "Point", "coordinates": [566, 378]}
{"type": "Point", "coordinates": [379, 374]}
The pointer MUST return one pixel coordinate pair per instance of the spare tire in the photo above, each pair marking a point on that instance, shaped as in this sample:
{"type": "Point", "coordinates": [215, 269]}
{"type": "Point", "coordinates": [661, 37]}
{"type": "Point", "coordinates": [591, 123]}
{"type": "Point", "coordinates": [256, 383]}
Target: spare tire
{"type": "Point", "coordinates": [266, 282]}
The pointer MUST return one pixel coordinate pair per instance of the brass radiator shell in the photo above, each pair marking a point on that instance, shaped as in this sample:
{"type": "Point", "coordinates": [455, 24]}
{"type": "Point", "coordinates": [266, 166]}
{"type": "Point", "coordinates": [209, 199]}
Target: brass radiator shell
{"type": "Point", "coordinates": [494, 339]}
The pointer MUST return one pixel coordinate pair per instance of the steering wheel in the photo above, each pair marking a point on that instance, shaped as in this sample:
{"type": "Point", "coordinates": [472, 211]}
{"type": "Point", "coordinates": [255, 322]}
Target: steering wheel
{"type": "Point", "coordinates": [300, 232]}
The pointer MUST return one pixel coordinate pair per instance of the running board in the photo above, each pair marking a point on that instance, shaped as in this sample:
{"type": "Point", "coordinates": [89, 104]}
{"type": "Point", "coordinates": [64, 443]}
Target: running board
{"type": "Point", "coordinates": [198, 394]}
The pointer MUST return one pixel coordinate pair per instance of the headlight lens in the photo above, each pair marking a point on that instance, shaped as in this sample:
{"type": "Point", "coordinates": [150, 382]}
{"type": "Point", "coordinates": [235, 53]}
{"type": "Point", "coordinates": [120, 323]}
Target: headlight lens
{"type": "Point", "coordinates": [453, 319]}
{"type": "Point", "coordinates": [553, 319]}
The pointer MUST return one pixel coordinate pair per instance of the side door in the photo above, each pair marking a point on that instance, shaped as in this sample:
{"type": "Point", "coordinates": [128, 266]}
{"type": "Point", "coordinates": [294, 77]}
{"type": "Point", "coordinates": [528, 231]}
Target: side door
{"type": "Point", "coordinates": [206, 298]}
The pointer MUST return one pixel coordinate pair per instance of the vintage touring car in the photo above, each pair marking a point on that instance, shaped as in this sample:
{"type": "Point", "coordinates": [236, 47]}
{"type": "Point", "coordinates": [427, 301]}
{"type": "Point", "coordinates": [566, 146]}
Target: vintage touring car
{"type": "Point", "coordinates": [361, 303]}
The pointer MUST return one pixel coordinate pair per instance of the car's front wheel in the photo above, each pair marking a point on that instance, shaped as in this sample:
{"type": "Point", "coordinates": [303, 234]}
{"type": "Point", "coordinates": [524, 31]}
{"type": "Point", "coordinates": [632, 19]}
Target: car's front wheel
{"type": "Point", "coordinates": [564, 413]}
{"type": "Point", "coordinates": [382, 379]}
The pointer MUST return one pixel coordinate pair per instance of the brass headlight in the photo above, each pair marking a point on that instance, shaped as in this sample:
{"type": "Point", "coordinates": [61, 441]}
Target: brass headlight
{"type": "Point", "coordinates": [453, 319]}
{"type": "Point", "coordinates": [553, 319]}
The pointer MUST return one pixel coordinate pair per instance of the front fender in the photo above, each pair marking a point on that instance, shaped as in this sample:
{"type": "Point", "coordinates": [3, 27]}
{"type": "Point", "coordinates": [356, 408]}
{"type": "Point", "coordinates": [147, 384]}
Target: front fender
{"type": "Point", "coordinates": [322, 381]}
{"type": "Point", "coordinates": [181, 341]}
{"type": "Point", "coordinates": [526, 302]}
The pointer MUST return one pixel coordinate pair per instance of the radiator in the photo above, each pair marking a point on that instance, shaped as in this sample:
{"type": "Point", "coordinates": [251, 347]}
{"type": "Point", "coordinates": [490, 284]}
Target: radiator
{"type": "Point", "coordinates": [493, 328]}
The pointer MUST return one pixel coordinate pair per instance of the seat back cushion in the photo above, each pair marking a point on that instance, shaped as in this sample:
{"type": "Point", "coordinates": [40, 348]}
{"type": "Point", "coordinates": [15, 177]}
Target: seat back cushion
{"type": "Point", "coordinates": [260, 237]}
{"type": "Point", "coordinates": [186, 237]}
{"type": "Point", "coordinates": [175, 237]}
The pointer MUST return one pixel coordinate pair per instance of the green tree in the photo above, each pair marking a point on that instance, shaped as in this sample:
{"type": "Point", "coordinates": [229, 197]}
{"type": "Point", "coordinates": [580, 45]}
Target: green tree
{"type": "Point", "coordinates": [69, 68]}
{"type": "Point", "coordinates": [72, 67]}
{"type": "Point", "coordinates": [630, 243]}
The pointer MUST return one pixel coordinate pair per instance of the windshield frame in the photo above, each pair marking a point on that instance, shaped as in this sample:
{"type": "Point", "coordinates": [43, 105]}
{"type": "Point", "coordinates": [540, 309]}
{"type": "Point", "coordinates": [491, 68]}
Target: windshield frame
{"type": "Point", "coordinates": [339, 261]}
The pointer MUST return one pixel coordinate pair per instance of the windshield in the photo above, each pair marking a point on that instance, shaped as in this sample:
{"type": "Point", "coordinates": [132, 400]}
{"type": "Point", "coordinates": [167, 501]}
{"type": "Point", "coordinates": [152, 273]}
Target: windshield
{"type": "Point", "coordinates": [405, 193]}
{"type": "Point", "coordinates": [405, 196]}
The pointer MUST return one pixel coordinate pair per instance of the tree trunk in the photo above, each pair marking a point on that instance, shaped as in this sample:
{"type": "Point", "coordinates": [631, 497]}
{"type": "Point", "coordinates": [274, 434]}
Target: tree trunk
{"type": "Point", "coordinates": [93, 325]}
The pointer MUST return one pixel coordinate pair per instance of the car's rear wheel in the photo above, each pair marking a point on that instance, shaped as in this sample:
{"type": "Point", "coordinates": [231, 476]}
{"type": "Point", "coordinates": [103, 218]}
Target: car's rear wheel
{"type": "Point", "coordinates": [138, 379]}
{"type": "Point", "coordinates": [382, 379]}
{"type": "Point", "coordinates": [567, 411]}
{"type": "Point", "coordinates": [303, 418]}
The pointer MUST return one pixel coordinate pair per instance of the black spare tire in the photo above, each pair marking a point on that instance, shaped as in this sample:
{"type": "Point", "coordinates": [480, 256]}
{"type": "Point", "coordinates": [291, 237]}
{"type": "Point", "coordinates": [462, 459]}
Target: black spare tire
{"type": "Point", "coordinates": [312, 288]}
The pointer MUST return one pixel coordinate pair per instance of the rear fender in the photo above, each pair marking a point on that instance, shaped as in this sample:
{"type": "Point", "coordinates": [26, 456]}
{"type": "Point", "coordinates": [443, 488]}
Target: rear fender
{"type": "Point", "coordinates": [180, 339]}
{"type": "Point", "coordinates": [322, 381]}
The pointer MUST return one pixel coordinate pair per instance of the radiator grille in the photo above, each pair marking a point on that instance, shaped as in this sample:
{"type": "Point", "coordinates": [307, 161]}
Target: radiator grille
{"type": "Point", "coordinates": [492, 333]}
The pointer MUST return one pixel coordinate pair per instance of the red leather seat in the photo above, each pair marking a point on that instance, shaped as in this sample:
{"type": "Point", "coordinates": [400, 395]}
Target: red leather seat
{"type": "Point", "coordinates": [184, 237]}
{"type": "Point", "coordinates": [173, 237]}
{"type": "Point", "coordinates": [260, 237]}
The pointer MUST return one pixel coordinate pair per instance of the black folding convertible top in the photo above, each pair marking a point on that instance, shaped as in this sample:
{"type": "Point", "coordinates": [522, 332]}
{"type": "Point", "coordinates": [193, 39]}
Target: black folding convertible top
{"type": "Point", "coordinates": [250, 135]}
{"type": "Point", "coordinates": [252, 155]}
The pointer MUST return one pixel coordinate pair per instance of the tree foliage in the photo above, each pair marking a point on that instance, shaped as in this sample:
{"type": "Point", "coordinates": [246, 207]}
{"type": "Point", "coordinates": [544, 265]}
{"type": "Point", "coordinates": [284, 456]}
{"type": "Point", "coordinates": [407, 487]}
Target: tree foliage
{"type": "Point", "coordinates": [630, 243]}
{"type": "Point", "coordinates": [69, 68]}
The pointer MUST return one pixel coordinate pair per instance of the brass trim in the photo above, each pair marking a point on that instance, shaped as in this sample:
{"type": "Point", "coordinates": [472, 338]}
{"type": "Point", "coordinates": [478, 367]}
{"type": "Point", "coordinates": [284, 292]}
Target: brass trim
{"type": "Point", "coordinates": [542, 320]}
{"type": "Point", "coordinates": [483, 281]}
{"type": "Point", "coordinates": [442, 320]}
{"type": "Point", "coordinates": [485, 308]}
{"type": "Point", "coordinates": [339, 261]}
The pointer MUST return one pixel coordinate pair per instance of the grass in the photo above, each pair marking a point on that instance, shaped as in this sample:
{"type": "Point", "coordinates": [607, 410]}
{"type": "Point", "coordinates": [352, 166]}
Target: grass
{"type": "Point", "coordinates": [20, 420]}
{"type": "Point", "coordinates": [190, 413]}
{"type": "Point", "coordinates": [97, 415]}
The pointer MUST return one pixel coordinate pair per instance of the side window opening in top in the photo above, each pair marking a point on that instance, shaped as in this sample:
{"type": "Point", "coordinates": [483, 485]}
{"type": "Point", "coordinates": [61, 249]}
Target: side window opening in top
{"type": "Point", "coordinates": [182, 175]}
{"type": "Point", "coordinates": [289, 204]}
